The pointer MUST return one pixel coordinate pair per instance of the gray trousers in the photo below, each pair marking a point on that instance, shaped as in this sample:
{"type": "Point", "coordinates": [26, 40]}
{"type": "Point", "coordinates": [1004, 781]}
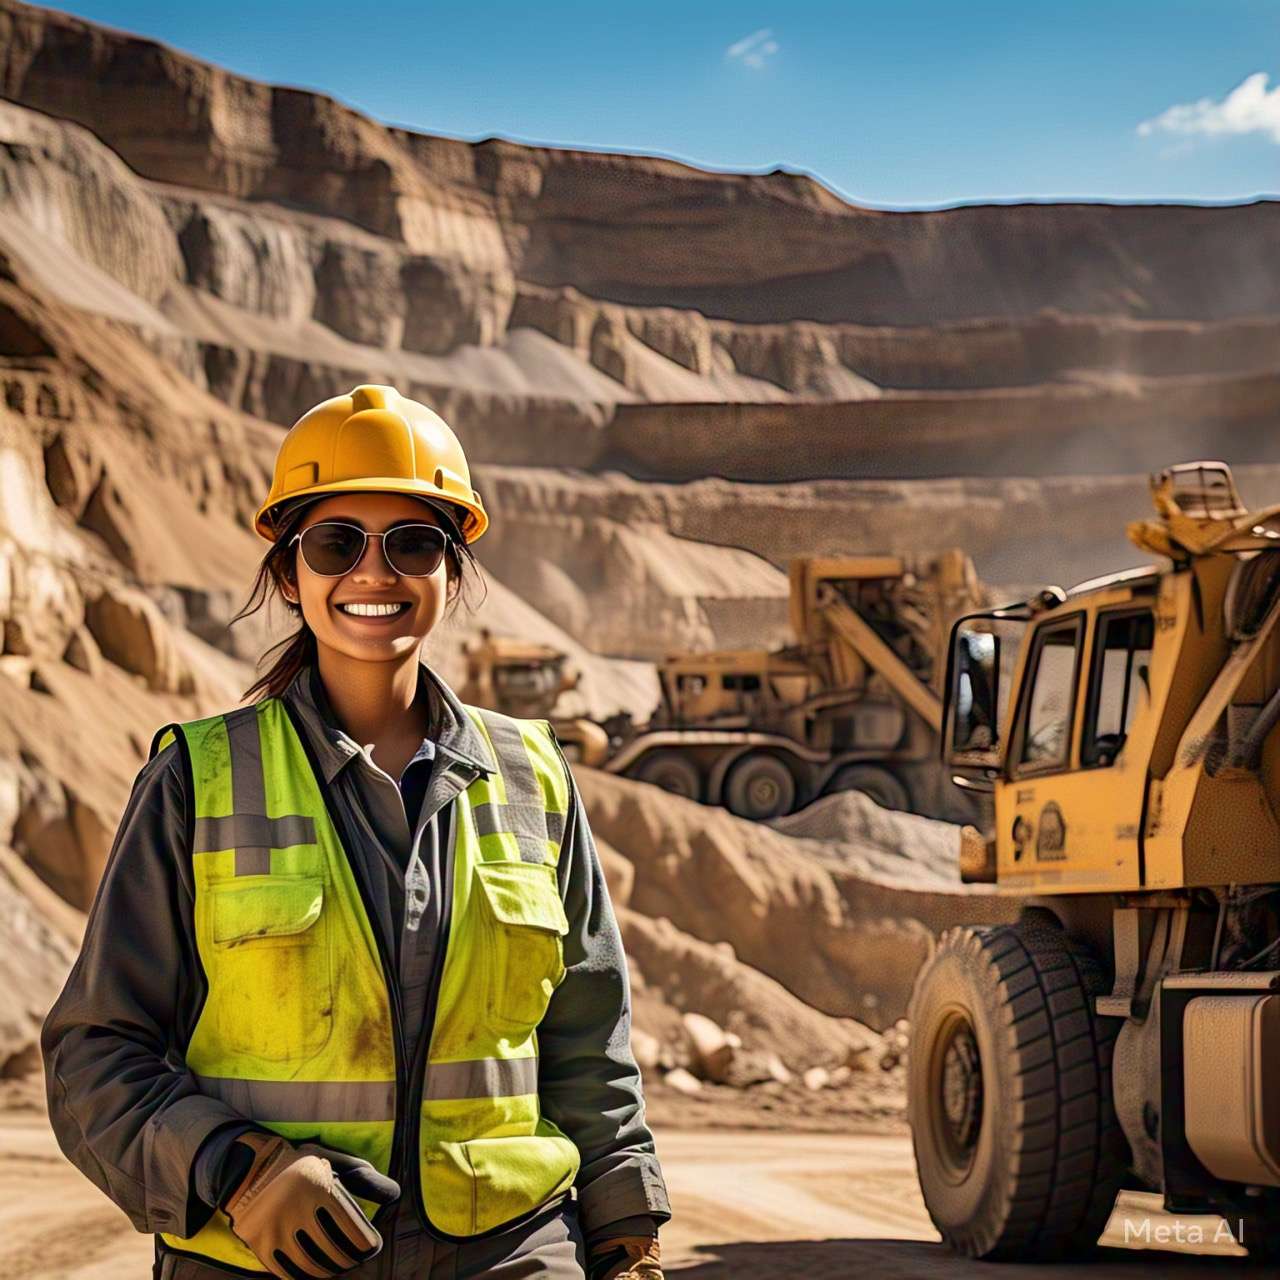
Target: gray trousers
{"type": "Point", "coordinates": [547, 1244]}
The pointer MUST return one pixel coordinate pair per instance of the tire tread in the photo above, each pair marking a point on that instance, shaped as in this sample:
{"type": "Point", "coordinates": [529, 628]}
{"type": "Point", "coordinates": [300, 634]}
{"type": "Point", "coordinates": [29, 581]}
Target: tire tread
{"type": "Point", "coordinates": [1069, 1155]}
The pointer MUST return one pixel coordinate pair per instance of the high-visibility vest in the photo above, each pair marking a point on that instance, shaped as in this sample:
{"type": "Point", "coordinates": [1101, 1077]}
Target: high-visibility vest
{"type": "Point", "coordinates": [297, 1032]}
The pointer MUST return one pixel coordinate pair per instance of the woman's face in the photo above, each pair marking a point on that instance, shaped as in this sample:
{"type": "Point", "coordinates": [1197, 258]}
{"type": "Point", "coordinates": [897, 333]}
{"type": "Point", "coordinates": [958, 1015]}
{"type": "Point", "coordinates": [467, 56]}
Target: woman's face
{"type": "Point", "coordinates": [371, 581]}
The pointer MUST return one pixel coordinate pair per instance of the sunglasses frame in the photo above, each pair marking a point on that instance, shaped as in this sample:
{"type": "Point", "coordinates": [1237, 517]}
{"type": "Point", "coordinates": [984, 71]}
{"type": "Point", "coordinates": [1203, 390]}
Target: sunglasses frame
{"type": "Point", "coordinates": [347, 524]}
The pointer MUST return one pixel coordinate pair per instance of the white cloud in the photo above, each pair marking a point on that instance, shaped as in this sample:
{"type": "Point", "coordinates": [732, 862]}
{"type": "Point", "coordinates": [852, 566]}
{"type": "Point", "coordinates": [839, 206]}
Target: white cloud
{"type": "Point", "coordinates": [1249, 108]}
{"type": "Point", "coordinates": [754, 50]}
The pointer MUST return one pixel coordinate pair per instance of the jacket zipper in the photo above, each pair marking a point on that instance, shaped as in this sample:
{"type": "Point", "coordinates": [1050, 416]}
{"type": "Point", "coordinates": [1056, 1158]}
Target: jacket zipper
{"type": "Point", "coordinates": [422, 1050]}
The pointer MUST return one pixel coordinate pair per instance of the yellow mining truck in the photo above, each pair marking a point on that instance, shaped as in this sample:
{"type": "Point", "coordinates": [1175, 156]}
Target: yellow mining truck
{"type": "Point", "coordinates": [854, 704]}
{"type": "Point", "coordinates": [1125, 1032]}
{"type": "Point", "coordinates": [524, 678]}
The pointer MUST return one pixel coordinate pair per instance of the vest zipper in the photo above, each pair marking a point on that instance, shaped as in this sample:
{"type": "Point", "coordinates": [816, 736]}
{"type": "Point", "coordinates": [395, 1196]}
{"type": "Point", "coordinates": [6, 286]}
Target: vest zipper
{"type": "Point", "coordinates": [422, 1050]}
{"type": "Point", "coordinates": [388, 976]}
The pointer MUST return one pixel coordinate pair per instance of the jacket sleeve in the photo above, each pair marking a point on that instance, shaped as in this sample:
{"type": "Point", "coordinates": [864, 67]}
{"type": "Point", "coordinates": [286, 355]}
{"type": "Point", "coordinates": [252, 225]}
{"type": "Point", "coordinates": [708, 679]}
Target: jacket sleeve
{"type": "Point", "coordinates": [588, 1078]}
{"type": "Point", "coordinates": [124, 1109]}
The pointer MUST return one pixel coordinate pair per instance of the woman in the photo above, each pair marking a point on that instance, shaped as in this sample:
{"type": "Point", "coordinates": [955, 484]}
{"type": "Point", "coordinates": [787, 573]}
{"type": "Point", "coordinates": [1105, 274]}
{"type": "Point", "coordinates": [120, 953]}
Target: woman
{"type": "Point", "coordinates": [352, 999]}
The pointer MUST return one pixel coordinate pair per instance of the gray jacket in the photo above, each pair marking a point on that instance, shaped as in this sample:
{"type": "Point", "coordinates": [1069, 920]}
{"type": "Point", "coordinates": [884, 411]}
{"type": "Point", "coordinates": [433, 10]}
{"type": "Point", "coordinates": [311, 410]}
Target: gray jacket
{"type": "Point", "coordinates": [130, 1116]}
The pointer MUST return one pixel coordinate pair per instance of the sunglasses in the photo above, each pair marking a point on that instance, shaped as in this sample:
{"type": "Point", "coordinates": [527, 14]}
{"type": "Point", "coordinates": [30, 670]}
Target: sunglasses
{"type": "Point", "coordinates": [334, 547]}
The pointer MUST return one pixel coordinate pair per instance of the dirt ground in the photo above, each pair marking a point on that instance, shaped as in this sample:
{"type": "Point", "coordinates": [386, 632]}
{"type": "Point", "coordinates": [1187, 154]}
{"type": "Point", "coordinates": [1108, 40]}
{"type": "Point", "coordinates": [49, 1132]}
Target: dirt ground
{"type": "Point", "coordinates": [749, 1203]}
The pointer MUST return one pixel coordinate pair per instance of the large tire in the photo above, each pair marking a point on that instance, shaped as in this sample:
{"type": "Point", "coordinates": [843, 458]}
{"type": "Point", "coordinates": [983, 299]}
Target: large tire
{"type": "Point", "coordinates": [672, 771]}
{"type": "Point", "coordinates": [759, 787]}
{"type": "Point", "coordinates": [1017, 1145]}
{"type": "Point", "coordinates": [875, 783]}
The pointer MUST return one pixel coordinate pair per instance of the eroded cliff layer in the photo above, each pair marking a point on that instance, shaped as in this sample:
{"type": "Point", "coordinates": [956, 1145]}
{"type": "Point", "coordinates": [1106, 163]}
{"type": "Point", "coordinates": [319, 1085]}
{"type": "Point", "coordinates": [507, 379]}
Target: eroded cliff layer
{"type": "Point", "coordinates": [565, 307]}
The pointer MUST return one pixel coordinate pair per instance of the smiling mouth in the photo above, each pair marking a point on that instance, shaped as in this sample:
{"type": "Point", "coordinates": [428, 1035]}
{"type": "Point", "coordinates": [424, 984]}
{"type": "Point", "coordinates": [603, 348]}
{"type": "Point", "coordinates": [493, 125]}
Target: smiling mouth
{"type": "Point", "coordinates": [380, 615]}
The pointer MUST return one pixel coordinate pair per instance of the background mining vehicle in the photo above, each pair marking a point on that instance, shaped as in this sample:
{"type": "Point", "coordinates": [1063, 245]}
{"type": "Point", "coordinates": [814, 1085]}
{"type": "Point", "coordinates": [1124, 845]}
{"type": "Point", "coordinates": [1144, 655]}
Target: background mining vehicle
{"type": "Point", "coordinates": [853, 705]}
{"type": "Point", "coordinates": [1125, 1032]}
{"type": "Point", "coordinates": [523, 678]}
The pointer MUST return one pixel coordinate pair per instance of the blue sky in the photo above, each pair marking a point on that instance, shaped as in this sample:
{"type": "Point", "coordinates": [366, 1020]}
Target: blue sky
{"type": "Point", "coordinates": [902, 103]}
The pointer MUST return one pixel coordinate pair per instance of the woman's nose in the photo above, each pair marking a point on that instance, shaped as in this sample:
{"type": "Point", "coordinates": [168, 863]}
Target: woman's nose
{"type": "Point", "coordinates": [373, 564]}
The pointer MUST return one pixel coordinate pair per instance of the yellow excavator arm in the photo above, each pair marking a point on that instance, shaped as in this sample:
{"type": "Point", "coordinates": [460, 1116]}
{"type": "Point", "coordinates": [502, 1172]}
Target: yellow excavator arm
{"type": "Point", "coordinates": [864, 641]}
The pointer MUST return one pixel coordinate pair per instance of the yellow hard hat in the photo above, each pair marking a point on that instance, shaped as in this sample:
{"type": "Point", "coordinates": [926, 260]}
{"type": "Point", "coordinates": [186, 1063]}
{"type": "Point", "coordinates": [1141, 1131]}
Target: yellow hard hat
{"type": "Point", "coordinates": [373, 439]}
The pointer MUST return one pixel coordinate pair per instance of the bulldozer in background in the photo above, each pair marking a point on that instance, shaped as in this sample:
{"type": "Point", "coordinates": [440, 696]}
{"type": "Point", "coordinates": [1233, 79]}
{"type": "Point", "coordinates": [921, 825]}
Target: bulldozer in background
{"type": "Point", "coordinates": [523, 678]}
{"type": "Point", "coordinates": [853, 705]}
{"type": "Point", "coordinates": [1125, 1032]}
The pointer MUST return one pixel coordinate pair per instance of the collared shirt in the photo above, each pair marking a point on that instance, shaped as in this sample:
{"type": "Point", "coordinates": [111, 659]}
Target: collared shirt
{"type": "Point", "coordinates": [130, 1115]}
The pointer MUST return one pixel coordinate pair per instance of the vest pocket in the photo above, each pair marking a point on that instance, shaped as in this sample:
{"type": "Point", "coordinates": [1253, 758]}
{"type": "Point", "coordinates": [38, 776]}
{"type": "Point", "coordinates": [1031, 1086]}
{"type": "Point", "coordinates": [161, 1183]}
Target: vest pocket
{"type": "Point", "coordinates": [475, 1186]}
{"type": "Point", "coordinates": [253, 907]}
{"type": "Point", "coordinates": [270, 985]}
{"type": "Point", "coordinates": [525, 922]}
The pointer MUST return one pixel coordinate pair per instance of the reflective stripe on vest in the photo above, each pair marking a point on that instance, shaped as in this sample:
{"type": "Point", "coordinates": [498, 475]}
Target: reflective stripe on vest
{"type": "Point", "coordinates": [295, 1032]}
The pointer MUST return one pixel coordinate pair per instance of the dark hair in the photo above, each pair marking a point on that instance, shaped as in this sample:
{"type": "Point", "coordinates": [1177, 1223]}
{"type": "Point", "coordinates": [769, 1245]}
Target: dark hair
{"type": "Point", "coordinates": [278, 568]}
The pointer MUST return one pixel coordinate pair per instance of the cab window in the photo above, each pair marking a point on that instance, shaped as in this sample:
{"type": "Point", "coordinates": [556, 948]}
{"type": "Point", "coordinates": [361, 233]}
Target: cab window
{"type": "Point", "coordinates": [1119, 683]}
{"type": "Point", "coordinates": [1046, 726]}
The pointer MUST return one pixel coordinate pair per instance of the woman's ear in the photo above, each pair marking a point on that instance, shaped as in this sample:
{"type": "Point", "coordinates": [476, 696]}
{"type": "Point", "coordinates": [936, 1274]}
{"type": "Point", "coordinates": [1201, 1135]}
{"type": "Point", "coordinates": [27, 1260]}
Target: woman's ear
{"type": "Point", "coordinates": [287, 581]}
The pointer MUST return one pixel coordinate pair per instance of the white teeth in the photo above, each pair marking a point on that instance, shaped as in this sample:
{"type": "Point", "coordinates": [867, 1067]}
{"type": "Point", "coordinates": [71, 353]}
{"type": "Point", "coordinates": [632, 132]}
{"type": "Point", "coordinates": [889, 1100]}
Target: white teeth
{"type": "Point", "coordinates": [372, 610]}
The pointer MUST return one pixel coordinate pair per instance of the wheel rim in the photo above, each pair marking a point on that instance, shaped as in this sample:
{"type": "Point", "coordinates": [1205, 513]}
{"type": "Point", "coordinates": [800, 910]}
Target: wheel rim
{"type": "Point", "coordinates": [764, 794]}
{"type": "Point", "coordinates": [956, 1093]}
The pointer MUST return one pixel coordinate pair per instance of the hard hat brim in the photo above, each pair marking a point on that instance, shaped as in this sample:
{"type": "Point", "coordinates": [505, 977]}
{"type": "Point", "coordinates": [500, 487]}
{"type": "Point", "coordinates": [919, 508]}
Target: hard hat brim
{"type": "Point", "coordinates": [474, 523]}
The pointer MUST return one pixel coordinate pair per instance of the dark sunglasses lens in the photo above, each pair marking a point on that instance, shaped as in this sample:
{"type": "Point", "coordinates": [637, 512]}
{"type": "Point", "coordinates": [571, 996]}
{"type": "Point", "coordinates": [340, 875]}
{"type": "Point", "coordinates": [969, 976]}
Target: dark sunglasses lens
{"type": "Point", "coordinates": [332, 549]}
{"type": "Point", "coordinates": [415, 550]}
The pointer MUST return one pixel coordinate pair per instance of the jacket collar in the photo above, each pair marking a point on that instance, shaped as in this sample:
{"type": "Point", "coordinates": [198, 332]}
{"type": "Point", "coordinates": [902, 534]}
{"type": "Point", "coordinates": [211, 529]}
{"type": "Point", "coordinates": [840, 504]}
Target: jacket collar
{"type": "Point", "coordinates": [457, 738]}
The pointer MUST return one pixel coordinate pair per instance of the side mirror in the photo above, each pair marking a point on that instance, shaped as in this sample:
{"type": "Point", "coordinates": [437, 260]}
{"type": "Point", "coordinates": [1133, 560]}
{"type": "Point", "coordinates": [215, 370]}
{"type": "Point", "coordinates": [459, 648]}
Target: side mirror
{"type": "Point", "coordinates": [975, 698]}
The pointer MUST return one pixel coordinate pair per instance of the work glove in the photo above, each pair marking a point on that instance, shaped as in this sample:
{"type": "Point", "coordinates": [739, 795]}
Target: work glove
{"type": "Point", "coordinates": [293, 1206]}
{"type": "Point", "coordinates": [625, 1258]}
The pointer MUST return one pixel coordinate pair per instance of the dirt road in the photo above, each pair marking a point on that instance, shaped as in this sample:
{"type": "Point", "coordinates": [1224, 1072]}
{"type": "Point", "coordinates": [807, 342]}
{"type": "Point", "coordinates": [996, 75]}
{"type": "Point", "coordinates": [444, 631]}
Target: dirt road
{"type": "Point", "coordinates": [755, 1206]}
{"type": "Point", "coordinates": [752, 1206]}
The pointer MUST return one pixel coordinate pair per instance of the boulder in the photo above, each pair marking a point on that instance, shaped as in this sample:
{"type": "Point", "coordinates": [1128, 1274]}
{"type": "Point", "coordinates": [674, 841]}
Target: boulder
{"type": "Point", "coordinates": [109, 512]}
{"type": "Point", "coordinates": [713, 1052]}
{"type": "Point", "coordinates": [72, 470]}
{"type": "Point", "coordinates": [682, 1081]}
{"type": "Point", "coordinates": [132, 633]}
{"type": "Point", "coordinates": [63, 838]}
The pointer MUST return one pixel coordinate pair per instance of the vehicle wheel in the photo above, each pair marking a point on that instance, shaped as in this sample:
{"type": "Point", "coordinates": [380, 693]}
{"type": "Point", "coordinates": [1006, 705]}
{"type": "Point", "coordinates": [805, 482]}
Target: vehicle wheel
{"type": "Point", "coordinates": [759, 787]}
{"type": "Point", "coordinates": [1017, 1145]}
{"type": "Point", "coordinates": [671, 771]}
{"type": "Point", "coordinates": [875, 783]}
